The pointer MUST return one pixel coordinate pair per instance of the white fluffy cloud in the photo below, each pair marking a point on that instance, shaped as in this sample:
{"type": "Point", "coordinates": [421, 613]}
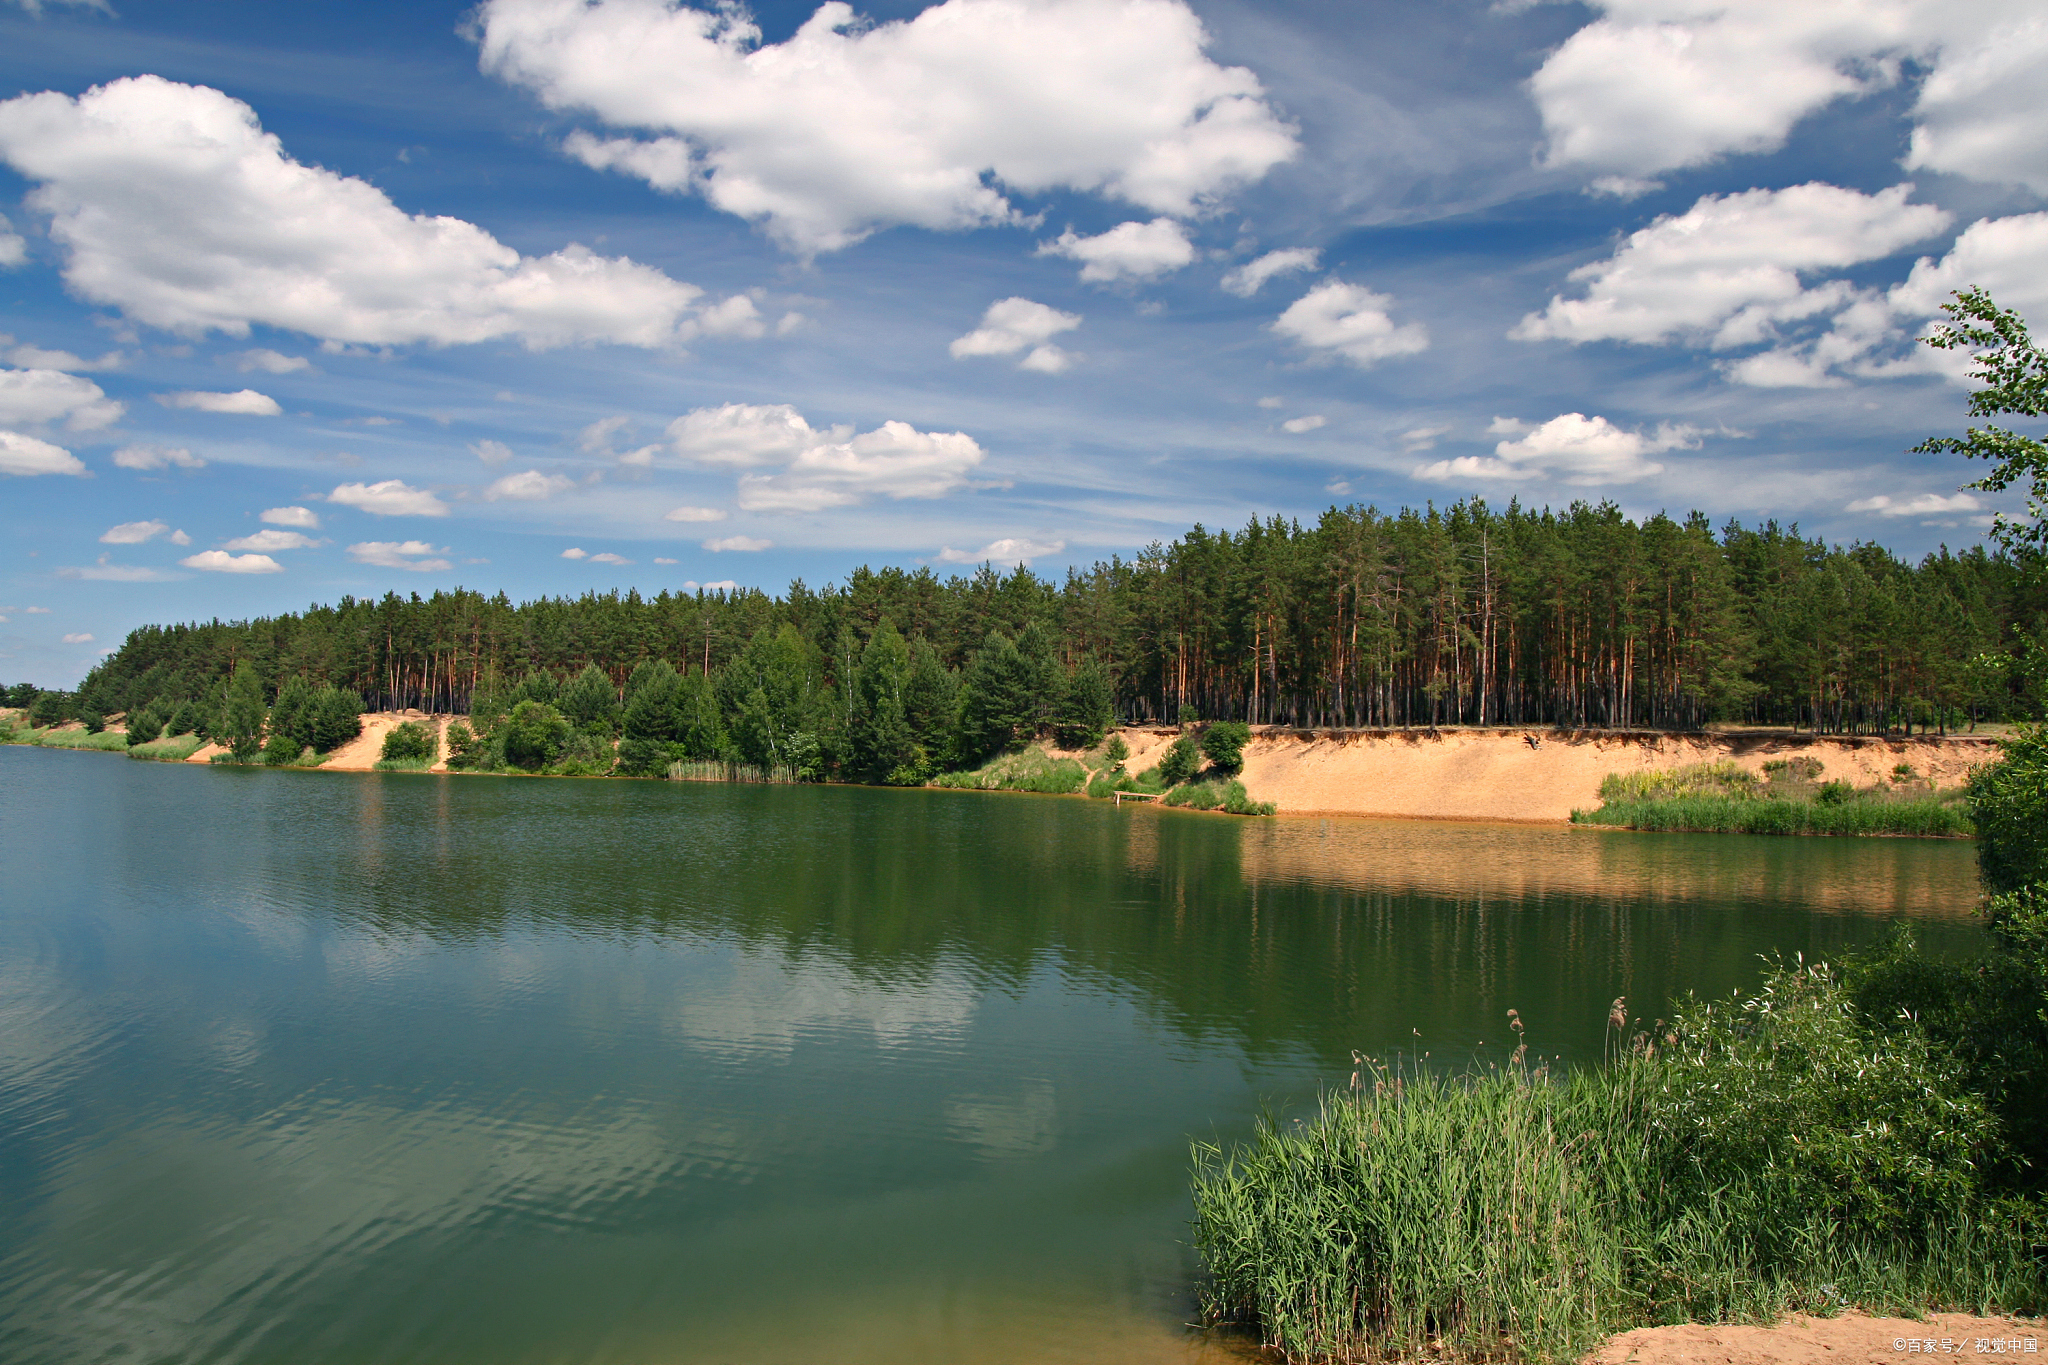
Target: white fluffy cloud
{"type": "Point", "coordinates": [609, 558]}
{"type": "Point", "coordinates": [241, 403]}
{"type": "Point", "coordinates": [1349, 320]}
{"type": "Point", "coordinates": [27, 456]}
{"type": "Point", "coordinates": [1297, 425]}
{"type": "Point", "coordinates": [1657, 84]}
{"type": "Point", "coordinates": [848, 127]}
{"type": "Point", "coordinates": [1009, 550]}
{"type": "Point", "coordinates": [1917, 505]}
{"type": "Point", "coordinates": [1128, 251]}
{"type": "Point", "coordinates": [270, 362]}
{"type": "Point", "coordinates": [530, 486]}
{"type": "Point", "coordinates": [490, 452]}
{"type": "Point", "coordinates": [2007, 256]}
{"type": "Point", "coordinates": [133, 532]}
{"type": "Point", "coordinates": [220, 561]}
{"type": "Point", "coordinates": [389, 498]}
{"type": "Point", "coordinates": [157, 457]}
{"type": "Point", "coordinates": [743, 544]}
{"type": "Point", "coordinates": [1728, 269]}
{"type": "Point", "coordinates": [417, 555]}
{"type": "Point", "coordinates": [744, 435]}
{"type": "Point", "coordinates": [79, 638]}
{"type": "Point", "coordinates": [305, 518]}
{"type": "Point", "coordinates": [270, 541]}
{"type": "Point", "coordinates": [173, 205]}
{"type": "Point", "coordinates": [695, 514]}
{"type": "Point", "coordinates": [1571, 449]}
{"type": "Point", "coordinates": [895, 461]}
{"type": "Point", "coordinates": [38, 396]}
{"type": "Point", "coordinates": [1009, 325]}
{"type": "Point", "coordinates": [13, 248]}
{"type": "Point", "coordinates": [1250, 277]}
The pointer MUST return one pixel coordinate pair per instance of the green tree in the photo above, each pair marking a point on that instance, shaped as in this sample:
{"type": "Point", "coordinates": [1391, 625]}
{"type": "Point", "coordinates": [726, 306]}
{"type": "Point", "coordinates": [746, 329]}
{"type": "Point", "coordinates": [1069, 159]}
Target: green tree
{"type": "Point", "coordinates": [1223, 744]}
{"type": "Point", "coordinates": [410, 742]}
{"type": "Point", "coordinates": [998, 701]}
{"type": "Point", "coordinates": [241, 719]}
{"type": "Point", "coordinates": [589, 702]}
{"type": "Point", "coordinates": [1086, 706]}
{"type": "Point", "coordinates": [2014, 373]}
{"type": "Point", "coordinates": [931, 704]}
{"type": "Point", "coordinates": [1179, 762]}
{"type": "Point", "coordinates": [2009, 806]}
{"type": "Point", "coordinates": [883, 745]}
{"type": "Point", "coordinates": [535, 735]}
{"type": "Point", "coordinates": [291, 715]}
{"type": "Point", "coordinates": [333, 717]}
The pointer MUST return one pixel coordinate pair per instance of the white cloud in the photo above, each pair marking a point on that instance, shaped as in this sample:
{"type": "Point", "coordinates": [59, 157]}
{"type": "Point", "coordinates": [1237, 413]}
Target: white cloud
{"type": "Point", "coordinates": [1009, 550]}
{"type": "Point", "coordinates": [1272, 402]}
{"type": "Point", "coordinates": [744, 435]}
{"type": "Point", "coordinates": [596, 439]}
{"type": "Point", "coordinates": [174, 206]}
{"type": "Point", "coordinates": [180, 538]}
{"type": "Point", "coordinates": [1349, 320]}
{"type": "Point", "coordinates": [27, 456]}
{"type": "Point", "coordinates": [1250, 277]}
{"type": "Point", "coordinates": [241, 403]}
{"type": "Point", "coordinates": [220, 561]}
{"type": "Point", "coordinates": [741, 543]}
{"type": "Point", "coordinates": [389, 498]}
{"type": "Point", "coordinates": [573, 552]}
{"type": "Point", "coordinates": [1727, 270]}
{"type": "Point", "coordinates": [400, 554]}
{"type": "Point", "coordinates": [133, 532]}
{"type": "Point", "coordinates": [609, 558]}
{"type": "Point", "coordinates": [105, 572]}
{"type": "Point", "coordinates": [490, 452]}
{"type": "Point", "coordinates": [1917, 505]}
{"type": "Point", "coordinates": [1506, 426]}
{"type": "Point", "coordinates": [849, 126]}
{"type": "Point", "coordinates": [896, 461]}
{"type": "Point", "coordinates": [35, 611]}
{"type": "Point", "coordinates": [80, 639]}
{"type": "Point", "coordinates": [37, 396]}
{"type": "Point", "coordinates": [531, 486]}
{"type": "Point", "coordinates": [1654, 85]}
{"type": "Point", "coordinates": [1298, 425]}
{"type": "Point", "coordinates": [1422, 438]}
{"type": "Point", "coordinates": [1128, 251]}
{"type": "Point", "coordinates": [13, 247]}
{"type": "Point", "coordinates": [2007, 256]}
{"type": "Point", "coordinates": [270, 362]}
{"type": "Point", "coordinates": [270, 540]}
{"type": "Point", "coordinates": [1009, 325]}
{"type": "Point", "coordinates": [302, 517]}
{"type": "Point", "coordinates": [1572, 449]}
{"type": "Point", "coordinates": [722, 585]}
{"type": "Point", "coordinates": [1339, 487]}
{"type": "Point", "coordinates": [36, 358]}
{"type": "Point", "coordinates": [659, 560]}
{"type": "Point", "coordinates": [695, 514]}
{"type": "Point", "coordinates": [157, 457]}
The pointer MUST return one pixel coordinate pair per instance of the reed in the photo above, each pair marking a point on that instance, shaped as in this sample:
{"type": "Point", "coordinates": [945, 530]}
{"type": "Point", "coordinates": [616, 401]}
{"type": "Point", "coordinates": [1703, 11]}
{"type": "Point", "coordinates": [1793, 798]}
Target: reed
{"type": "Point", "coordinates": [169, 749]}
{"type": "Point", "coordinates": [1033, 770]}
{"type": "Point", "coordinates": [1924, 816]}
{"type": "Point", "coordinates": [1751, 1157]}
{"type": "Point", "coordinates": [108, 741]}
{"type": "Point", "coordinates": [715, 771]}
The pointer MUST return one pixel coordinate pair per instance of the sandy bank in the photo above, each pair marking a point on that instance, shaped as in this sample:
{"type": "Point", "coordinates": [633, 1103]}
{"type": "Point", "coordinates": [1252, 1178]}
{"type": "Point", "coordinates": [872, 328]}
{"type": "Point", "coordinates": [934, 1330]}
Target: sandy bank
{"type": "Point", "coordinates": [1850, 1339]}
{"type": "Point", "coordinates": [1466, 774]}
{"type": "Point", "coordinates": [360, 754]}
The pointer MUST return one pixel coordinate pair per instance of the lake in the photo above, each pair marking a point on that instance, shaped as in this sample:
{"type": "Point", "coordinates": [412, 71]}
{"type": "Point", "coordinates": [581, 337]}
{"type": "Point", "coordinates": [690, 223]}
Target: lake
{"type": "Point", "coordinates": [317, 1067]}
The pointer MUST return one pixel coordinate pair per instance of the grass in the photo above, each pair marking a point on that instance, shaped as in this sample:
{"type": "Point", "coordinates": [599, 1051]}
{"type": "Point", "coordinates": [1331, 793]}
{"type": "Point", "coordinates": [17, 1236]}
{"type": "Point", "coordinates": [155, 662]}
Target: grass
{"type": "Point", "coordinates": [402, 765]}
{"type": "Point", "coordinates": [1749, 1158]}
{"type": "Point", "coordinates": [712, 770]}
{"type": "Point", "coordinates": [53, 738]}
{"type": "Point", "coordinates": [169, 749]}
{"type": "Point", "coordinates": [1211, 791]}
{"type": "Point", "coordinates": [1726, 798]}
{"type": "Point", "coordinates": [1033, 770]}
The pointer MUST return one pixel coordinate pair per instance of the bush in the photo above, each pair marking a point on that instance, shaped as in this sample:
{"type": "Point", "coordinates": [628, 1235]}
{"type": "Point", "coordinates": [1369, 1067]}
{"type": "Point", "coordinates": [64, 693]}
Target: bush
{"type": "Point", "coordinates": [534, 734]}
{"type": "Point", "coordinates": [1223, 744]}
{"type": "Point", "coordinates": [464, 748]}
{"type": "Point", "coordinates": [1116, 751]}
{"type": "Point", "coordinates": [145, 724]}
{"type": "Point", "coordinates": [2009, 805]}
{"type": "Point", "coordinates": [1179, 762]}
{"type": "Point", "coordinates": [282, 750]}
{"type": "Point", "coordinates": [410, 742]}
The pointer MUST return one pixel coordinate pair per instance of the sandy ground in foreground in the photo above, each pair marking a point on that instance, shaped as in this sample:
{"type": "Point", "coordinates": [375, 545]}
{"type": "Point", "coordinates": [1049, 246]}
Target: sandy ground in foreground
{"type": "Point", "coordinates": [1850, 1339]}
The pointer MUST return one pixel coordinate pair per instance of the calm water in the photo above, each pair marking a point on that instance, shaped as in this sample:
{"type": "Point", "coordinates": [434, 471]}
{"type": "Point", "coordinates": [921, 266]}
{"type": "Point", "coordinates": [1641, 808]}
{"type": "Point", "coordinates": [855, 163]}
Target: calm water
{"type": "Point", "coordinates": [306, 1067]}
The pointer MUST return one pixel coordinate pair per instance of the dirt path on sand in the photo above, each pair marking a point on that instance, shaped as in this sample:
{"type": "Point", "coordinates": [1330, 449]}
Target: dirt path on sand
{"type": "Point", "coordinates": [1850, 1339]}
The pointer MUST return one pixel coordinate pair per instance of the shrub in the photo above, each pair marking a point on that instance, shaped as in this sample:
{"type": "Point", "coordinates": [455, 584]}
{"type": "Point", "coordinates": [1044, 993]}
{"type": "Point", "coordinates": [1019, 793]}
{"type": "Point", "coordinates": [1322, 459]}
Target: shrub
{"type": "Point", "coordinates": [1223, 744]}
{"type": "Point", "coordinates": [2009, 805]}
{"type": "Point", "coordinates": [1116, 751]}
{"type": "Point", "coordinates": [464, 748]}
{"type": "Point", "coordinates": [534, 734]}
{"type": "Point", "coordinates": [410, 742]}
{"type": "Point", "coordinates": [145, 724]}
{"type": "Point", "coordinates": [1179, 762]}
{"type": "Point", "coordinates": [282, 750]}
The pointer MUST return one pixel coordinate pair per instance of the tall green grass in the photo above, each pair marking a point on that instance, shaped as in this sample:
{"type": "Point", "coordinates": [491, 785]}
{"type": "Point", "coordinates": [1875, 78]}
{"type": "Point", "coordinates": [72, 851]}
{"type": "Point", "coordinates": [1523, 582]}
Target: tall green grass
{"type": "Point", "coordinates": [1030, 771]}
{"type": "Point", "coordinates": [1726, 798]}
{"type": "Point", "coordinates": [169, 749]}
{"type": "Point", "coordinates": [106, 740]}
{"type": "Point", "coordinates": [716, 771]}
{"type": "Point", "coordinates": [1752, 1157]}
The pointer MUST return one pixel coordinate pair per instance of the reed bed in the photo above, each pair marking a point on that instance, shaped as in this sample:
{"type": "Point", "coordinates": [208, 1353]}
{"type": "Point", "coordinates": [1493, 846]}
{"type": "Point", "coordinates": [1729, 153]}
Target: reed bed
{"type": "Point", "coordinates": [1031, 771]}
{"type": "Point", "coordinates": [1726, 798]}
{"type": "Point", "coordinates": [109, 741]}
{"type": "Point", "coordinates": [713, 770]}
{"type": "Point", "coordinates": [1749, 1158]}
{"type": "Point", "coordinates": [170, 749]}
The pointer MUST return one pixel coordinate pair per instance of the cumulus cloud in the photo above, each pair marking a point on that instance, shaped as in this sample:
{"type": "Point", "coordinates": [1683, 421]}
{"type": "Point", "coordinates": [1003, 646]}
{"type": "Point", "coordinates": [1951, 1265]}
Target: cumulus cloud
{"type": "Point", "coordinates": [1338, 319]}
{"type": "Point", "coordinates": [26, 456]}
{"type": "Point", "coordinates": [1917, 505]}
{"type": "Point", "coordinates": [2007, 256]}
{"type": "Point", "coordinates": [1422, 438]}
{"type": "Point", "coordinates": [847, 126]}
{"type": "Point", "coordinates": [1012, 324]}
{"type": "Point", "coordinates": [220, 561]}
{"type": "Point", "coordinates": [1298, 425]}
{"type": "Point", "coordinates": [173, 205]}
{"type": "Point", "coordinates": [695, 514]}
{"type": "Point", "coordinates": [270, 362]}
{"type": "Point", "coordinates": [1653, 85]}
{"type": "Point", "coordinates": [389, 498]}
{"type": "Point", "coordinates": [609, 558]}
{"type": "Point", "coordinates": [490, 452]}
{"type": "Point", "coordinates": [575, 552]}
{"type": "Point", "coordinates": [133, 532]}
{"type": "Point", "coordinates": [1009, 550]}
{"type": "Point", "coordinates": [241, 403]}
{"type": "Point", "coordinates": [746, 544]}
{"type": "Point", "coordinates": [1250, 277]}
{"type": "Point", "coordinates": [1727, 271]}
{"type": "Point", "coordinates": [1128, 251]}
{"type": "Point", "coordinates": [302, 517]}
{"type": "Point", "coordinates": [39, 396]}
{"type": "Point", "coordinates": [416, 555]}
{"type": "Point", "coordinates": [744, 435]}
{"type": "Point", "coordinates": [896, 461]}
{"type": "Point", "coordinates": [13, 248]}
{"type": "Point", "coordinates": [1571, 449]}
{"type": "Point", "coordinates": [531, 486]}
{"type": "Point", "coordinates": [157, 457]}
{"type": "Point", "coordinates": [270, 540]}
{"type": "Point", "coordinates": [78, 639]}
{"type": "Point", "coordinates": [36, 358]}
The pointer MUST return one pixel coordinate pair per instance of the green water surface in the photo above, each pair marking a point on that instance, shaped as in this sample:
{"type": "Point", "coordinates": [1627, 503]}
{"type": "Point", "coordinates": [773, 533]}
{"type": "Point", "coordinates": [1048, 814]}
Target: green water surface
{"type": "Point", "coordinates": [317, 1067]}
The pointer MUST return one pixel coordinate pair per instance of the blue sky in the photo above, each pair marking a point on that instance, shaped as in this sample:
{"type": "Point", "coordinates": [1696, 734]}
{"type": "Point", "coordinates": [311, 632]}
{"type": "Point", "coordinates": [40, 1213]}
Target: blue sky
{"type": "Point", "coordinates": [554, 295]}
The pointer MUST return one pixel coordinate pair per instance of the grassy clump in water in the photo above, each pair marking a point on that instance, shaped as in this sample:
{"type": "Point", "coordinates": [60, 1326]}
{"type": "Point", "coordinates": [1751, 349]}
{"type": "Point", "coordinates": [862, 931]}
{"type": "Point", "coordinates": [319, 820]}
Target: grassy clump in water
{"type": "Point", "coordinates": [1752, 1157]}
{"type": "Point", "coordinates": [1726, 798]}
{"type": "Point", "coordinates": [1033, 770]}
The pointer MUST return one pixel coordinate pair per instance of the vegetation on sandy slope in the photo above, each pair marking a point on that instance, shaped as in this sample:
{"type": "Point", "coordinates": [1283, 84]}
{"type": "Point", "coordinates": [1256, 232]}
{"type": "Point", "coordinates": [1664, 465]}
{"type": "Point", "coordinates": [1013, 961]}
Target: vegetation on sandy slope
{"type": "Point", "coordinates": [1788, 798]}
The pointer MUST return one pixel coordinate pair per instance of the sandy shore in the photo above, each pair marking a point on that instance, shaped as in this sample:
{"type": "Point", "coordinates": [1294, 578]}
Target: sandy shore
{"type": "Point", "coordinates": [1850, 1339]}
{"type": "Point", "coordinates": [361, 753]}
